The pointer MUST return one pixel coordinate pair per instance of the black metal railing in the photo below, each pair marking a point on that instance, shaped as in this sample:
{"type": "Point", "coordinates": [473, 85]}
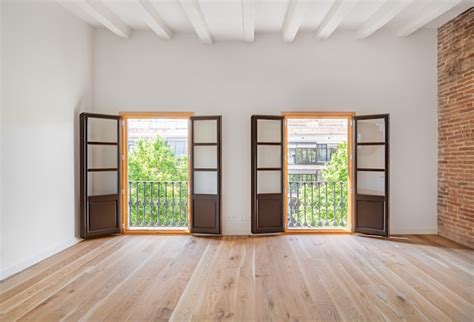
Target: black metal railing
{"type": "Point", "coordinates": [158, 204]}
{"type": "Point", "coordinates": [317, 204]}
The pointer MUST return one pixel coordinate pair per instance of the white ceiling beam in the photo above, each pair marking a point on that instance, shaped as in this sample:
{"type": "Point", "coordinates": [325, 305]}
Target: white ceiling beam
{"type": "Point", "coordinates": [389, 10]}
{"type": "Point", "coordinates": [196, 17]}
{"type": "Point", "coordinates": [339, 10]}
{"type": "Point", "coordinates": [154, 20]}
{"type": "Point", "coordinates": [433, 11]}
{"type": "Point", "coordinates": [105, 16]}
{"type": "Point", "coordinates": [294, 17]}
{"type": "Point", "coordinates": [249, 9]}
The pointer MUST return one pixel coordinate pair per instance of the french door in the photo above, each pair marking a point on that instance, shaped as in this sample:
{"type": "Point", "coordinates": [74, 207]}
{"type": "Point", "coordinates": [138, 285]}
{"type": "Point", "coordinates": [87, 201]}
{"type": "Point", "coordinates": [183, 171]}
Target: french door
{"type": "Point", "coordinates": [267, 174]}
{"type": "Point", "coordinates": [206, 174]}
{"type": "Point", "coordinates": [372, 174]}
{"type": "Point", "coordinates": [100, 175]}
{"type": "Point", "coordinates": [102, 189]}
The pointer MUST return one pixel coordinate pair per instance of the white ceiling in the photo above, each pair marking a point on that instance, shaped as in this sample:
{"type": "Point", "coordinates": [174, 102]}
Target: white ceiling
{"type": "Point", "coordinates": [228, 19]}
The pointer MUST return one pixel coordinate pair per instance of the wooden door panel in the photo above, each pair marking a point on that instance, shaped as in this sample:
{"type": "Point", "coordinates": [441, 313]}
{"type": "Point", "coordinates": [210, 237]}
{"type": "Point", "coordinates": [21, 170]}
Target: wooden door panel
{"type": "Point", "coordinates": [269, 206]}
{"type": "Point", "coordinates": [102, 212]}
{"type": "Point", "coordinates": [206, 215]}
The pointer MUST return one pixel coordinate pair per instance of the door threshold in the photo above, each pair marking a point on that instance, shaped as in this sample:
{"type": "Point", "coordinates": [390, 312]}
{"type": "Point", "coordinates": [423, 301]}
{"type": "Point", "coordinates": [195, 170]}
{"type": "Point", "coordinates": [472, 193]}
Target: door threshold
{"type": "Point", "coordinates": [160, 231]}
{"type": "Point", "coordinates": [318, 231]}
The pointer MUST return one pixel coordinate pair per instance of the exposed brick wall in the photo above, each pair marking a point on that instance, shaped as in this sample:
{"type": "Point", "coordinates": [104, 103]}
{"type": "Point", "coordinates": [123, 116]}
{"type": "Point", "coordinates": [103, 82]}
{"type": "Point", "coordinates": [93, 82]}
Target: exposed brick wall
{"type": "Point", "coordinates": [456, 129]}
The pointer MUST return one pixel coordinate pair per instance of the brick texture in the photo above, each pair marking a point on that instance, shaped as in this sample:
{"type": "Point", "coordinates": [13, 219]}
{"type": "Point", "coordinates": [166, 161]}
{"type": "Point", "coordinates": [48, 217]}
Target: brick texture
{"type": "Point", "coordinates": [456, 129]}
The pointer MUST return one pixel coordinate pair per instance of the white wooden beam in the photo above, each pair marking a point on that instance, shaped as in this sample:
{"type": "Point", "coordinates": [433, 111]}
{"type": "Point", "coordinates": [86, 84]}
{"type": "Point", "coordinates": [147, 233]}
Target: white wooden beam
{"type": "Point", "coordinates": [249, 10]}
{"type": "Point", "coordinates": [196, 17]}
{"type": "Point", "coordinates": [294, 17]}
{"type": "Point", "coordinates": [339, 10]}
{"type": "Point", "coordinates": [105, 16]}
{"type": "Point", "coordinates": [433, 11]}
{"type": "Point", "coordinates": [154, 20]}
{"type": "Point", "coordinates": [389, 10]}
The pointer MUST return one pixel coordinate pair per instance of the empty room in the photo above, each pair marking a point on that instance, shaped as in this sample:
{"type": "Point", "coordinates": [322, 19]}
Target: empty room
{"type": "Point", "coordinates": [238, 160]}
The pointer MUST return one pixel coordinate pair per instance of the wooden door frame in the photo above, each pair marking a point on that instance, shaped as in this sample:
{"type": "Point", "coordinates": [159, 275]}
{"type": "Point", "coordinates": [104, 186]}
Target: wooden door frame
{"type": "Point", "coordinates": [349, 116]}
{"type": "Point", "coordinates": [125, 116]}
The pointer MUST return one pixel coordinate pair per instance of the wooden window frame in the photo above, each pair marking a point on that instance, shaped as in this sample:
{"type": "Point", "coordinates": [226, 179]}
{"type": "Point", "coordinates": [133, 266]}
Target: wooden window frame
{"type": "Point", "coordinates": [125, 116]}
{"type": "Point", "coordinates": [349, 116]}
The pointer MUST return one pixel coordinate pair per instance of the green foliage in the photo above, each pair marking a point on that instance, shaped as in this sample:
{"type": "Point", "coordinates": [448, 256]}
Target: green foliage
{"type": "Point", "coordinates": [322, 203]}
{"type": "Point", "coordinates": [153, 160]}
{"type": "Point", "coordinates": [157, 185]}
{"type": "Point", "coordinates": [336, 169]}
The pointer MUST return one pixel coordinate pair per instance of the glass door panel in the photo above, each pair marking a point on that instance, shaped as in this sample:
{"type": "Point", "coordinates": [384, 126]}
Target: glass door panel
{"type": "Point", "coordinates": [205, 182]}
{"type": "Point", "coordinates": [371, 157]}
{"type": "Point", "coordinates": [205, 157]}
{"type": "Point", "coordinates": [269, 156]}
{"type": "Point", "coordinates": [268, 131]}
{"type": "Point", "coordinates": [268, 181]}
{"type": "Point", "coordinates": [205, 131]}
{"type": "Point", "coordinates": [371, 183]}
{"type": "Point", "coordinates": [371, 130]}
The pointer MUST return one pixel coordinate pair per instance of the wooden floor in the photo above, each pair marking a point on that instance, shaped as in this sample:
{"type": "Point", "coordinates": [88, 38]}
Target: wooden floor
{"type": "Point", "coordinates": [293, 277]}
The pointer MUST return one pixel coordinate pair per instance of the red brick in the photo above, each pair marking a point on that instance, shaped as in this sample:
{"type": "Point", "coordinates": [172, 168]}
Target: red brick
{"type": "Point", "coordinates": [456, 129]}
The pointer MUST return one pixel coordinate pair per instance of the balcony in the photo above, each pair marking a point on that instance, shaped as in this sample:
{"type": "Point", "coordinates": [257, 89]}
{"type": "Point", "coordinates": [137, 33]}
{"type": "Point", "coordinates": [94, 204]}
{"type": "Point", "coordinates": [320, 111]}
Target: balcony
{"type": "Point", "coordinates": [313, 205]}
{"type": "Point", "coordinates": [164, 204]}
{"type": "Point", "coordinates": [158, 204]}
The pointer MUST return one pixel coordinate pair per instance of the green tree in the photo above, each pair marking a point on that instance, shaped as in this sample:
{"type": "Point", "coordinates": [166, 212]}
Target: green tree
{"type": "Point", "coordinates": [153, 160]}
{"type": "Point", "coordinates": [157, 185]}
{"type": "Point", "coordinates": [336, 169]}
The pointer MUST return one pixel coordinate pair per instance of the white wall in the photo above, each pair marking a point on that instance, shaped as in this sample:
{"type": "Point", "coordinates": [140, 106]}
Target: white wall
{"type": "Point", "coordinates": [383, 74]}
{"type": "Point", "coordinates": [1, 148]}
{"type": "Point", "coordinates": [46, 56]}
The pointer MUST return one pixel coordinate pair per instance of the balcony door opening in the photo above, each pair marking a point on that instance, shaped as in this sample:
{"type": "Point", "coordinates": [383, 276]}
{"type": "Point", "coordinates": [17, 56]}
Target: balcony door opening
{"type": "Point", "coordinates": [156, 172]}
{"type": "Point", "coordinates": [318, 172]}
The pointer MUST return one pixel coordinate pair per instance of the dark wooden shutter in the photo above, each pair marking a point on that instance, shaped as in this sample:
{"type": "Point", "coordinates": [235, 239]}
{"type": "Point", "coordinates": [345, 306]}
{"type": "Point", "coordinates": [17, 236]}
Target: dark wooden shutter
{"type": "Point", "coordinates": [100, 175]}
{"type": "Point", "coordinates": [372, 174]}
{"type": "Point", "coordinates": [267, 174]}
{"type": "Point", "coordinates": [206, 174]}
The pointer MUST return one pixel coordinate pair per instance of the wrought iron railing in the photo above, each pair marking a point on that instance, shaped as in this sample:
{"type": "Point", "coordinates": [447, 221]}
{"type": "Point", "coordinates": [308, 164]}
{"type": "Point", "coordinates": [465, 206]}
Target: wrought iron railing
{"type": "Point", "coordinates": [158, 204]}
{"type": "Point", "coordinates": [317, 204]}
{"type": "Point", "coordinates": [165, 204]}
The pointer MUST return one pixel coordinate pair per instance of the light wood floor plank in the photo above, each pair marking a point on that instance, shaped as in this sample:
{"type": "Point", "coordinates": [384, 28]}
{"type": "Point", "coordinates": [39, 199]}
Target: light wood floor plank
{"type": "Point", "coordinates": [274, 278]}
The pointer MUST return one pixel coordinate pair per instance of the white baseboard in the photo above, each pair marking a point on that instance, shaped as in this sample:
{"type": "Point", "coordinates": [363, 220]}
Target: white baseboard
{"type": "Point", "coordinates": [414, 231]}
{"type": "Point", "coordinates": [24, 264]}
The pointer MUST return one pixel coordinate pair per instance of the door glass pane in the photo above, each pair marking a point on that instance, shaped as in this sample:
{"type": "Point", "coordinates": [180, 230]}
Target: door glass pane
{"type": "Point", "coordinates": [371, 183]}
{"type": "Point", "coordinates": [102, 156]}
{"type": "Point", "coordinates": [102, 130]}
{"type": "Point", "coordinates": [205, 156]}
{"type": "Point", "coordinates": [269, 156]}
{"type": "Point", "coordinates": [205, 131]}
{"type": "Point", "coordinates": [205, 182]}
{"type": "Point", "coordinates": [102, 183]}
{"type": "Point", "coordinates": [268, 181]}
{"type": "Point", "coordinates": [371, 130]}
{"type": "Point", "coordinates": [269, 131]}
{"type": "Point", "coordinates": [371, 156]}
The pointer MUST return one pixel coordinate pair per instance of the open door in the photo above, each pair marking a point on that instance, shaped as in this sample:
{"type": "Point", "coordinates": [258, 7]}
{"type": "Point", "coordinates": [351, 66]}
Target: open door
{"type": "Point", "coordinates": [267, 174]}
{"type": "Point", "coordinates": [205, 175]}
{"type": "Point", "coordinates": [100, 175]}
{"type": "Point", "coordinates": [372, 174]}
